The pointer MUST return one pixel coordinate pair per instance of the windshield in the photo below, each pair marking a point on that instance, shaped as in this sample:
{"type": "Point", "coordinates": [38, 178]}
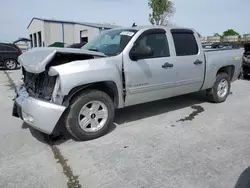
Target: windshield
{"type": "Point", "coordinates": [110, 42]}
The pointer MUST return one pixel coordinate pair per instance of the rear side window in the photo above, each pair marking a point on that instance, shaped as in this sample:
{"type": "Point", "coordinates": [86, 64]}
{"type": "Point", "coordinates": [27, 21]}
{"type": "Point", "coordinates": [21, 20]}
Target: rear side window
{"type": "Point", "coordinates": [2, 48]}
{"type": "Point", "coordinates": [11, 49]}
{"type": "Point", "coordinates": [6, 48]}
{"type": "Point", "coordinates": [185, 43]}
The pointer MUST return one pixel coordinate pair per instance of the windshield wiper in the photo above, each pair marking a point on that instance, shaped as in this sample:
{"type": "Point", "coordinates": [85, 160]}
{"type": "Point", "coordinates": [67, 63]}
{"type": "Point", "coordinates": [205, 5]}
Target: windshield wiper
{"type": "Point", "coordinates": [93, 49]}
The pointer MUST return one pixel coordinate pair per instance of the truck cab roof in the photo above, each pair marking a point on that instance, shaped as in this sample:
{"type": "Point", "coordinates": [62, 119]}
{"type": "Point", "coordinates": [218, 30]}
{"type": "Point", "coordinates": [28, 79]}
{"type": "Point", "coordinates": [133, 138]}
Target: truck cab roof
{"type": "Point", "coordinates": [146, 27]}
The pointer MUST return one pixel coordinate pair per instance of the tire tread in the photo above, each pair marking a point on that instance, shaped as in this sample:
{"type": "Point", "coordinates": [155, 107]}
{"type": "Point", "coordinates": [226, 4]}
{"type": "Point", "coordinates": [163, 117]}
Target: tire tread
{"type": "Point", "coordinates": [72, 129]}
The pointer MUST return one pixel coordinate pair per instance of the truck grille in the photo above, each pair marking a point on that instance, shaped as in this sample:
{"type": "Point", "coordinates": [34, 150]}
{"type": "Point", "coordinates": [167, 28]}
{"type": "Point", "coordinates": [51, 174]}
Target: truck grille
{"type": "Point", "coordinates": [39, 85]}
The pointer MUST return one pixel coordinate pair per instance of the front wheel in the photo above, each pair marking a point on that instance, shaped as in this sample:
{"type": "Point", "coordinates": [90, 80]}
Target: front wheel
{"type": "Point", "coordinates": [221, 88]}
{"type": "Point", "coordinates": [90, 115]}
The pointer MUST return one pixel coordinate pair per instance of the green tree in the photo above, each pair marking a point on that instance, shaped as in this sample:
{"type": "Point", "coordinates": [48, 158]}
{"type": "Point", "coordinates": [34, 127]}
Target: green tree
{"type": "Point", "coordinates": [162, 10]}
{"type": "Point", "coordinates": [230, 32]}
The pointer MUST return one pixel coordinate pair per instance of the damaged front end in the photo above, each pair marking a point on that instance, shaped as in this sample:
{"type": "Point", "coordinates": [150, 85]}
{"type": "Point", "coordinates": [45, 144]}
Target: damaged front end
{"type": "Point", "coordinates": [40, 85]}
{"type": "Point", "coordinates": [35, 67]}
{"type": "Point", "coordinates": [38, 101]}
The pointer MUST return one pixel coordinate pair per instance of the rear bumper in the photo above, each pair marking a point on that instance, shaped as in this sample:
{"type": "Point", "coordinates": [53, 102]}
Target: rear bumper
{"type": "Point", "coordinates": [39, 114]}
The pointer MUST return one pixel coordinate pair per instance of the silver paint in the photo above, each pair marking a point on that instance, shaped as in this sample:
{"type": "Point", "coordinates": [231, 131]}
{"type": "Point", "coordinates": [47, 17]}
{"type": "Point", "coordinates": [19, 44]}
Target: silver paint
{"type": "Point", "coordinates": [36, 59]}
{"type": "Point", "coordinates": [222, 88]}
{"type": "Point", "coordinates": [38, 114]}
{"type": "Point", "coordinates": [145, 80]}
{"type": "Point", "coordinates": [89, 117]}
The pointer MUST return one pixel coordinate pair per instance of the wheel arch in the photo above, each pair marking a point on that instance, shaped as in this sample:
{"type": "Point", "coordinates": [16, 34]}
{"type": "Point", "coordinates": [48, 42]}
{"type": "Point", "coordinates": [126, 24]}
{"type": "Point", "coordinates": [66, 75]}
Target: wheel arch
{"type": "Point", "coordinates": [6, 59]}
{"type": "Point", "coordinates": [108, 87]}
{"type": "Point", "coordinates": [229, 69]}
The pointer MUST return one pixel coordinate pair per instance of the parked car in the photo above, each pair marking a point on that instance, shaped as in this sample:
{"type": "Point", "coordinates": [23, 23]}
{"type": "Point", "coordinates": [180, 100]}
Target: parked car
{"type": "Point", "coordinates": [8, 55]}
{"type": "Point", "coordinates": [246, 61]}
{"type": "Point", "coordinates": [77, 45]}
{"type": "Point", "coordinates": [81, 88]}
{"type": "Point", "coordinates": [207, 46]}
{"type": "Point", "coordinates": [221, 45]}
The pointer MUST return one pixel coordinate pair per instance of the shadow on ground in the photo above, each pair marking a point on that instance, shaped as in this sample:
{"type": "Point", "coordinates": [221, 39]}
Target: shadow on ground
{"type": "Point", "coordinates": [58, 138]}
{"type": "Point", "coordinates": [146, 110]}
{"type": "Point", "coordinates": [244, 179]}
{"type": "Point", "coordinates": [4, 69]}
{"type": "Point", "coordinates": [47, 139]}
{"type": "Point", "coordinates": [126, 115]}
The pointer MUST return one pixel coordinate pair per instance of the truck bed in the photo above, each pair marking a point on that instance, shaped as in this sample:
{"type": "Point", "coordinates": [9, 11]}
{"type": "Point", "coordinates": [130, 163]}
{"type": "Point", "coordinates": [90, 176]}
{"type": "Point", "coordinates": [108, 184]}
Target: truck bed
{"type": "Point", "coordinates": [221, 58]}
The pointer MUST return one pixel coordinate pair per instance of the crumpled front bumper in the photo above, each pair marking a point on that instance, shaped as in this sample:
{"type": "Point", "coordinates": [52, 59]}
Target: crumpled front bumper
{"type": "Point", "coordinates": [39, 114]}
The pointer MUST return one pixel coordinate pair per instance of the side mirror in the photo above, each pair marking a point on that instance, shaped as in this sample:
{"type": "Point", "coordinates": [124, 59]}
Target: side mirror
{"type": "Point", "coordinates": [140, 52]}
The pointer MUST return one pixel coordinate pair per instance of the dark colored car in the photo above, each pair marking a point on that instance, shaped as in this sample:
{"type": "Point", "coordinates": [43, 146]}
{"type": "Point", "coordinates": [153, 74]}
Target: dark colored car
{"type": "Point", "coordinates": [9, 55]}
{"type": "Point", "coordinates": [246, 61]}
{"type": "Point", "coordinates": [77, 45]}
{"type": "Point", "coordinates": [221, 45]}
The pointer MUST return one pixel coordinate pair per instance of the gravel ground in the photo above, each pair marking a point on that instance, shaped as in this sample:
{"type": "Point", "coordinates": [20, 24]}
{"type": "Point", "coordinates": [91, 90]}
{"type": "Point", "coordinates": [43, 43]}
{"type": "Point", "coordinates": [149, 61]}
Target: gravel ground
{"type": "Point", "coordinates": [179, 142]}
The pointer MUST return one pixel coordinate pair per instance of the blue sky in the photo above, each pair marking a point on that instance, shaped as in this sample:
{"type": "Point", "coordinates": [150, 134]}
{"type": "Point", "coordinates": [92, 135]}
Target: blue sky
{"type": "Point", "coordinates": [206, 16]}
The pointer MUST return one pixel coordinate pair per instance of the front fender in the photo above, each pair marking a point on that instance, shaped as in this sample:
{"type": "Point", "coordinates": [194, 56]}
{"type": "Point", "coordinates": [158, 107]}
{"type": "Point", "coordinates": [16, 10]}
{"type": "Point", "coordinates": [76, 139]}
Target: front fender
{"type": "Point", "coordinates": [78, 73]}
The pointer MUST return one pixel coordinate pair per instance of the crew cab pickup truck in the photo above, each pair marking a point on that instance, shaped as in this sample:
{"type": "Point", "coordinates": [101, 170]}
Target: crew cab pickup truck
{"type": "Point", "coordinates": [81, 88]}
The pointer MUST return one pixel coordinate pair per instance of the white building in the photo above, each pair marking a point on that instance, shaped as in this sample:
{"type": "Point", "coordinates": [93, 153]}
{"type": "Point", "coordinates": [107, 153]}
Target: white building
{"type": "Point", "coordinates": [44, 32]}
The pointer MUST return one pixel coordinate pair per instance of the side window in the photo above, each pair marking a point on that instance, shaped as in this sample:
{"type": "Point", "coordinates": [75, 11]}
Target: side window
{"type": "Point", "coordinates": [185, 44]}
{"type": "Point", "coordinates": [10, 49]}
{"type": "Point", "coordinates": [157, 42]}
{"type": "Point", "coordinates": [2, 48]}
{"type": "Point", "coordinates": [5, 48]}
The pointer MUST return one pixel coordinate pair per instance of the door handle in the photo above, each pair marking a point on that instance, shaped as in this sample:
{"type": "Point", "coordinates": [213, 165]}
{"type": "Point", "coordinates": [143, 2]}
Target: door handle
{"type": "Point", "coordinates": [167, 65]}
{"type": "Point", "coordinates": [198, 62]}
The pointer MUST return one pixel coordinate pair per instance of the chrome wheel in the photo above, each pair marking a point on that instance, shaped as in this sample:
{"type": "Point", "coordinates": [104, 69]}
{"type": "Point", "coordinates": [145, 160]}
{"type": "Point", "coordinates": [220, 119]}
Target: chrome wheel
{"type": "Point", "coordinates": [222, 89]}
{"type": "Point", "coordinates": [10, 64]}
{"type": "Point", "coordinates": [93, 116]}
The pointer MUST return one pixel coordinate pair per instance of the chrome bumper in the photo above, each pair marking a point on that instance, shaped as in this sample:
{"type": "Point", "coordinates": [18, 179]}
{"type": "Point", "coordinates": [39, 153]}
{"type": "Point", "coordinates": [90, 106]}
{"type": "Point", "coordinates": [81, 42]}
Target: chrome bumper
{"type": "Point", "coordinates": [39, 114]}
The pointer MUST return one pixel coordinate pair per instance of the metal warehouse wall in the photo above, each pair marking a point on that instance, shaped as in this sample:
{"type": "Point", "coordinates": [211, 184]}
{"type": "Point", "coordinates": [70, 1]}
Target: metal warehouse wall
{"type": "Point", "coordinates": [67, 33]}
{"type": "Point", "coordinates": [35, 27]}
{"type": "Point", "coordinates": [91, 32]}
{"type": "Point", "coordinates": [53, 33]}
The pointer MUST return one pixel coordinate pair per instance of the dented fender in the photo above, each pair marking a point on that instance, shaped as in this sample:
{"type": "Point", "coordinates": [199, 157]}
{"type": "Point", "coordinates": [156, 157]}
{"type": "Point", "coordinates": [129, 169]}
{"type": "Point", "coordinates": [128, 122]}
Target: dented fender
{"type": "Point", "coordinates": [83, 72]}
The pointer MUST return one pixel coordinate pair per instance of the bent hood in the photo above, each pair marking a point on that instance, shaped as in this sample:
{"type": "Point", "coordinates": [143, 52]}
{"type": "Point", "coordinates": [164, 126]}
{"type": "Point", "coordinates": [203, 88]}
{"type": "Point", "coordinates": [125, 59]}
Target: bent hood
{"type": "Point", "coordinates": [36, 59]}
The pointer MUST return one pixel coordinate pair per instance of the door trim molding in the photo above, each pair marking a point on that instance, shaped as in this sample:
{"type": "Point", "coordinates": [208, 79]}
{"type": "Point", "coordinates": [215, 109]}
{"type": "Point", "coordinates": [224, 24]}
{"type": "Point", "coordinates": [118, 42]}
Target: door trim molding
{"type": "Point", "coordinates": [148, 88]}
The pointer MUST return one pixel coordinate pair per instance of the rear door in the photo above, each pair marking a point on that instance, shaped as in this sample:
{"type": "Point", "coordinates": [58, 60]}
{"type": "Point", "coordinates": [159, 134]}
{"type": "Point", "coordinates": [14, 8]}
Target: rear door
{"type": "Point", "coordinates": [2, 52]}
{"type": "Point", "coordinates": [189, 61]}
{"type": "Point", "coordinates": [8, 52]}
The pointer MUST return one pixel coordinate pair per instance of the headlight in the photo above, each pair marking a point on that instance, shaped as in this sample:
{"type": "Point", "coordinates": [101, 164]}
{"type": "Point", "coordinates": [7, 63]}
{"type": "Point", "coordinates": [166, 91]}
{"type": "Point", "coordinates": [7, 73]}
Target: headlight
{"type": "Point", "coordinates": [52, 72]}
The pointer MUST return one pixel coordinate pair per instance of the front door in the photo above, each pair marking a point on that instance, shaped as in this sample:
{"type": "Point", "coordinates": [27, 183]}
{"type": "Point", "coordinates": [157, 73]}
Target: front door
{"type": "Point", "coordinates": [151, 78]}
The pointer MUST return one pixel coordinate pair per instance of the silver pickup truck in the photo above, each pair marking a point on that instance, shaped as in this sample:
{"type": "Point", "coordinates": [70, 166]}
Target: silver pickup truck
{"type": "Point", "coordinates": [119, 68]}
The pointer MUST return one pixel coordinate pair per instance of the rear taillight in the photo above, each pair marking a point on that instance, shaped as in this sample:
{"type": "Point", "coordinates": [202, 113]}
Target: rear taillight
{"type": "Point", "coordinates": [243, 59]}
{"type": "Point", "coordinates": [19, 50]}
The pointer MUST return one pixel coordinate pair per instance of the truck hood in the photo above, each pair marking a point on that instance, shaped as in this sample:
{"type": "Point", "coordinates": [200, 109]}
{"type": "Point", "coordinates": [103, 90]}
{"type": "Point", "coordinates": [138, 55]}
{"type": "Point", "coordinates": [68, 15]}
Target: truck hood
{"type": "Point", "coordinates": [35, 60]}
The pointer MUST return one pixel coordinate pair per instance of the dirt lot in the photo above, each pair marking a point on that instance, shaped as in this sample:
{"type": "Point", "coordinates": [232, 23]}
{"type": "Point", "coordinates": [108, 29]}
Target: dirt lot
{"type": "Point", "coordinates": [179, 142]}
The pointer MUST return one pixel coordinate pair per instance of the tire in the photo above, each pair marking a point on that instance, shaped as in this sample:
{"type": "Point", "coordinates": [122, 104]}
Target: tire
{"type": "Point", "coordinates": [81, 110]}
{"type": "Point", "coordinates": [213, 93]}
{"type": "Point", "coordinates": [245, 76]}
{"type": "Point", "coordinates": [10, 64]}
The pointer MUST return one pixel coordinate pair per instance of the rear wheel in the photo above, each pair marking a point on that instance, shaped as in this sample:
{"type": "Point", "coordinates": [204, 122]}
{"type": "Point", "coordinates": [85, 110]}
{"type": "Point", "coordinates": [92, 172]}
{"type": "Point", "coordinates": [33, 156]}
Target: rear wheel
{"type": "Point", "coordinates": [245, 75]}
{"type": "Point", "coordinates": [90, 115]}
{"type": "Point", "coordinates": [10, 64]}
{"type": "Point", "coordinates": [221, 88]}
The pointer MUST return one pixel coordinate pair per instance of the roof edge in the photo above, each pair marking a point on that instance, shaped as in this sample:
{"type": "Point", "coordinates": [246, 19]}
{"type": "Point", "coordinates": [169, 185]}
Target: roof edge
{"type": "Point", "coordinates": [34, 18]}
{"type": "Point", "coordinates": [69, 22]}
